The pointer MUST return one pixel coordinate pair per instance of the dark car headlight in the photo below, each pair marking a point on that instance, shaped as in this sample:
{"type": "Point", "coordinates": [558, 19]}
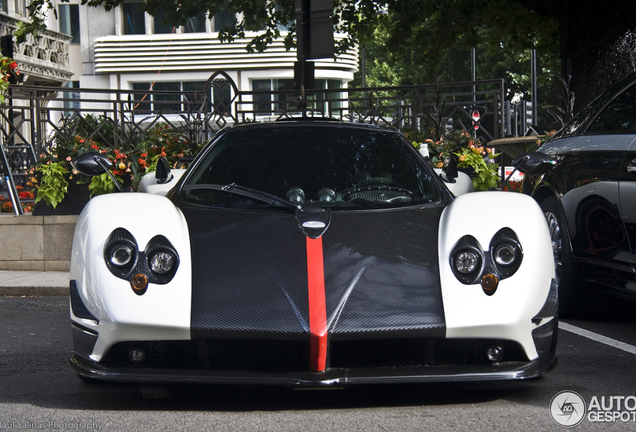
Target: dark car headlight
{"type": "Point", "coordinates": [506, 252]}
{"type": "Point", "coordinates": [162, 259]}
{"type": "Point", "coordinates": [157, 264]}
{"type": "Point", "coordinates": [472, 265]}
{"type": "Point", "coordinates": [467, 260]}
{"type": "Point", "coordinates": [120, 253]}
{"type": "Point", "coordinates": [162, 262]}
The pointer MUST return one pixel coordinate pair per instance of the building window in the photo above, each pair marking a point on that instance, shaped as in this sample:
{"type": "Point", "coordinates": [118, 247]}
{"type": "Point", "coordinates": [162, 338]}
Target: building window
{"type": "Point", "coordinates": [72, 102]}
{"type": "Point", "coordinates": [190, 97]}
{"type": "Point", "coordinates": [69, 22]}
{"type": "Point", "coordinates": [20, 7]}
{"type": "Point", "coordinates": [156, 101]}
{"type": "Point", "coordinates": [134, 18]}
{"type": "Point", "coordinates": [195, 24]}
{"type": "Point", "coordinates": [272, 102]}
{"type": "Point", "coordinates": [224, 20]}
{"type": "Point", "coordinates": [160, 27]}
{"type": "Point", "coordinates": [266, 103]}
{"type": "Point", "coordinates": [3, 5]}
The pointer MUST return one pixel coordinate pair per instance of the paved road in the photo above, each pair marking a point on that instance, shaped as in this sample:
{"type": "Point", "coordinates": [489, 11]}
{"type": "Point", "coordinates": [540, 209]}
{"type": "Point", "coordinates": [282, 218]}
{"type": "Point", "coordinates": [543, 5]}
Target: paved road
{"type": "Point", "coordinates": [39, 391]}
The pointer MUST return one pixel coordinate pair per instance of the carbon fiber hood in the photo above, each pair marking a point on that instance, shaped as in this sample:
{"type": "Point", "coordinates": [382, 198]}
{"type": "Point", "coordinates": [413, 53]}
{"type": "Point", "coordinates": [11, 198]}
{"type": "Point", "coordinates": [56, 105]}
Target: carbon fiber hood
{"type": "Point", "coordinates": [249, 274]}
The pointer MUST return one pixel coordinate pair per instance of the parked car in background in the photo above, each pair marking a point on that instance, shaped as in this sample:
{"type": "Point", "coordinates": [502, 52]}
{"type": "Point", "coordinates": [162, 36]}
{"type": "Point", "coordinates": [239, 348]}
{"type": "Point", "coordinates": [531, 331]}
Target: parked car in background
{"type": "Point", "coordinates": [589, 198]}
{"type": "Point", "coordinates": [310, 253]}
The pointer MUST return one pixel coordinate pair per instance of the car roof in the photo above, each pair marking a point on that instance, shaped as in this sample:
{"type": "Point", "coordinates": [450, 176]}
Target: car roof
{"type": "Point", "coordinates": [310, 121]}
{"type": "Point", "coordinates": [587, 115]}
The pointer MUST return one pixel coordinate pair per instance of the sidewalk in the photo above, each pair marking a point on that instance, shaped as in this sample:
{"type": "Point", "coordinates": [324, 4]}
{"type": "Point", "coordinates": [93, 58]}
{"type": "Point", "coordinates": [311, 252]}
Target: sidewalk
{"type": "Point", "coordinates": [33, 283]}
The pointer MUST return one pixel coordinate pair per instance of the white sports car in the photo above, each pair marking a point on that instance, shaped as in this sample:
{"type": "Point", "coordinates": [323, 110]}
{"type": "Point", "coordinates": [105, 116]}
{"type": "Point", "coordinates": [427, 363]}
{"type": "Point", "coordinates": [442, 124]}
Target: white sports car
{"type": "Point", "coordinates": [310, 253]}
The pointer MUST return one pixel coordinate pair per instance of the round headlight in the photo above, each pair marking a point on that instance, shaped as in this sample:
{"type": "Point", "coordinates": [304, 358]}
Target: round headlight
{"type": "Point", "coordinates": [121, 255]}
{"type": "Point", "coordinates": [466, 262]}
{"type": "Point", "coordinates": [505, 254]}
{"type": "Point", "coordinates": [162, 262]}
{"type": "Point", "coordinates": [296, 195]}
{"type": "Point", "coordinates": [326, 194]}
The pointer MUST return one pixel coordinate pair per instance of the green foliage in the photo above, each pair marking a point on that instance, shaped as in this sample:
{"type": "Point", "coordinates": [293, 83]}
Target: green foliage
{"type": "Point", "coordinates": [53, 183]}
{"type": "Point", "coordinates": [484, 175]}
{"type": "Point", "coordinates": [426, 41]}
{"type": "Point", "coordinates": [130, 161]}
{"type": "Point", "coordinates": [103, 184]}
{"type": "Point", "coordinates": [473, 157]}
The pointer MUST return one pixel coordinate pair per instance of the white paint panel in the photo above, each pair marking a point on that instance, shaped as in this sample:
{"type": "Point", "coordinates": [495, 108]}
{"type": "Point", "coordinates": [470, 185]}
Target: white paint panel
{"type": "Point", "coordinates": [507, 314]}
{"type": "Point", "coordinates": [163, 312]}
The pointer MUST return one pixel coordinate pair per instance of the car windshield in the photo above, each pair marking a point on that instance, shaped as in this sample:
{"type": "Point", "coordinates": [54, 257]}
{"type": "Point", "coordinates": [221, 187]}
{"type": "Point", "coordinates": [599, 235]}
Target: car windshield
{"type": "Point", "coordinates": [342, 167]}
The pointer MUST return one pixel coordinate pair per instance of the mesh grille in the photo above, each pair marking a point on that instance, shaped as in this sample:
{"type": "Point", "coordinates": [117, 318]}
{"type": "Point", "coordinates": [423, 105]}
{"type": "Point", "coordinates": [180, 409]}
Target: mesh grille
{"type": "Point", "coordinates": [293, 356]}
{"type": "Point", "coordinates": [417, 352]}
{"type": "Point", "coordinates": [221, 354]}
{"type": "Point", "coordinates": [378, 353]}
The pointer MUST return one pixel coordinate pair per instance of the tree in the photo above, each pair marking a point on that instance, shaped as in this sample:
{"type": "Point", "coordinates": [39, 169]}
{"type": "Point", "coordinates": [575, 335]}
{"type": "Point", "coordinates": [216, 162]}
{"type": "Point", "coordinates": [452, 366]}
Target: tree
{"type": "Point", "coordinates": [356, 18]}
{"type": "Point", "coordinates": [598, 39]}
{"type": "Point", "coordinates": [438, 49]}
{"type": "Point", "coordinates": [598, 42]}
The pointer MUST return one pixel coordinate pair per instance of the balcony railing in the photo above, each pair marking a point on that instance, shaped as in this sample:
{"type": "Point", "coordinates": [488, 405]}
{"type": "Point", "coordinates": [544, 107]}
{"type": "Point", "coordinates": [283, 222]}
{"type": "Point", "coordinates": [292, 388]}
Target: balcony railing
{"type": "Point", "coordinates": [43, 58]}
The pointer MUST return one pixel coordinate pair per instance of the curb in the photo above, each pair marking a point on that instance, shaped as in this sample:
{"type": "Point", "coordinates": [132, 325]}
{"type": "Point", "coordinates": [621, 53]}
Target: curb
{"type": "Point", "coordinates": [34, 284]}
{"type": "Point", "coordinates": [20, 291]}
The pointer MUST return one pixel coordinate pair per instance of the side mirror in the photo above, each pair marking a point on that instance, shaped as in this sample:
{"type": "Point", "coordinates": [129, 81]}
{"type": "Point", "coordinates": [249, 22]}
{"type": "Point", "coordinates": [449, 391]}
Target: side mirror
{"type": "Point", "coordinates": [92, 164]}
{"type": "Point", "coordinates": [535, 163]}
{"type": "Point", "coordinates": [162, 174]}
{"type": "Point", "coordinates": [449, 171]}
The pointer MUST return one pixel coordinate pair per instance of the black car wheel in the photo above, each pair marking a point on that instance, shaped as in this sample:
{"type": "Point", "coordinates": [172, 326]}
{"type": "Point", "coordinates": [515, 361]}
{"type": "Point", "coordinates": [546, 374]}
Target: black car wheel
{"type": "Point", "coordinates": [572, 294]}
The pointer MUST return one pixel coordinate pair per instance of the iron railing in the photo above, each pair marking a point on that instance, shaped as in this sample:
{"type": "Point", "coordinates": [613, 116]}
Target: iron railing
{"type": "Point", "coordinates": [33, 119]}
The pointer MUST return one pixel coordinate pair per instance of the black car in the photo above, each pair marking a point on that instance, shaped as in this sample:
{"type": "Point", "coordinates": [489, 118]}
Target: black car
{"type": "Point", "coordinates": [309, 253]}
{"type": "Point", "coordinates": [589, 198]}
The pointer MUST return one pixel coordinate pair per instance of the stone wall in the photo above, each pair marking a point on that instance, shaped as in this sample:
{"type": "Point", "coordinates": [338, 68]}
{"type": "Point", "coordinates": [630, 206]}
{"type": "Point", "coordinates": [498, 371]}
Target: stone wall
{"type": "Point", "coordinates": [38, 243]}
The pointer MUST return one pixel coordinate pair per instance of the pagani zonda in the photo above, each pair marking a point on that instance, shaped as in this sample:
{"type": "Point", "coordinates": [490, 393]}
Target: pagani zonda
{"type": "Point", "coordinates": [310, 254]}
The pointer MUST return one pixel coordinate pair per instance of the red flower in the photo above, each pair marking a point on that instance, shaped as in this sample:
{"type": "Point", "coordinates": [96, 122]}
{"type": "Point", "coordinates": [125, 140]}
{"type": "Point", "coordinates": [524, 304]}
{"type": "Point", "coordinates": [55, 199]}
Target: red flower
{"type": "Point", "coordinates": [13, 65]}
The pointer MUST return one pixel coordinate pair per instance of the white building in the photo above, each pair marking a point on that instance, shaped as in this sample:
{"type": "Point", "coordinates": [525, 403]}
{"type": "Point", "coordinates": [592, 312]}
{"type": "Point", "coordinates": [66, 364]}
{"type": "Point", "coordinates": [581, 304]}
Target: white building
{"type": "Point", "coordinates": [43, 60]}
{"type": "Point", "coordinates": [127, 49]}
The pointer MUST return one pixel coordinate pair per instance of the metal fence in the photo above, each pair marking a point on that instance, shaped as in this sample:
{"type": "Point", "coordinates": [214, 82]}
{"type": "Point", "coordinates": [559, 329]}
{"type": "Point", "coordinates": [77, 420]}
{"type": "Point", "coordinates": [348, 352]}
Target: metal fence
{"type": "Point", "coordinates": [33, 119]}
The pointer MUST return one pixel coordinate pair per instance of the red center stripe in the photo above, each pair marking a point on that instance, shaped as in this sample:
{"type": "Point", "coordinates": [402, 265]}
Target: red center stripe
{"type": "Point", "coordinates": [317, 305]}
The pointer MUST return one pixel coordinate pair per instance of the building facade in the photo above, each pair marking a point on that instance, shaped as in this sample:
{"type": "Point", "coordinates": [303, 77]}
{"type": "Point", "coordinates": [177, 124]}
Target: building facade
{"type": "Point", "coordinates": [128, 49]}
{"type": "Point", "coordinates": [44, 59]}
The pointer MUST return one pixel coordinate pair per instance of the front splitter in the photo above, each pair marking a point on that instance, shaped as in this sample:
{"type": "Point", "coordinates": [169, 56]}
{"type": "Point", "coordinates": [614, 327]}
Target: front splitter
{"type": "Point", "coordinates": [330, 378]}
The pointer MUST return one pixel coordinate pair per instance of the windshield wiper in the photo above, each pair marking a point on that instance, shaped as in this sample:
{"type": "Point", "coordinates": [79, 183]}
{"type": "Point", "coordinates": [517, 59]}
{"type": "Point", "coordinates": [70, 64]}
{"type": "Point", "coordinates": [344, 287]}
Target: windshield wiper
{"type": "Point", "coordinates": [258, 195]}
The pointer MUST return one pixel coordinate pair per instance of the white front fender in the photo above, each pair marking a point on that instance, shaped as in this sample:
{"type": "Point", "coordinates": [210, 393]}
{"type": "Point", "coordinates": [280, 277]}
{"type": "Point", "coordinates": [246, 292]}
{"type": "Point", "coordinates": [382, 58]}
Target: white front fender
{"type": "Point", "coordinates": [163, 311]}
{"type": "Point", "coordinates": [508, 313]}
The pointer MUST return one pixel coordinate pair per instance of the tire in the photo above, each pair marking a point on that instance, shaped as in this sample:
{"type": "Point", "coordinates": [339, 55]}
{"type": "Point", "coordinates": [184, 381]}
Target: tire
{"type": "Point", "coordinates": [573, 297]}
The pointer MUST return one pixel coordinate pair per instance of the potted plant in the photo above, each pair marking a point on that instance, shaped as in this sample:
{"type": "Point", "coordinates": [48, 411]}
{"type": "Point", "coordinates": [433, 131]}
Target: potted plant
{"type": "Point", "coordinates": [475, 159]}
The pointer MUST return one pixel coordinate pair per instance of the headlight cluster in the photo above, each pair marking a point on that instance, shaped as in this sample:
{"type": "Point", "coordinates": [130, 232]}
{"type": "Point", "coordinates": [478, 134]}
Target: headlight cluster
{"type": "Point", "coordinates": [471, 264]}
{"type": "Point", "coordinates": [157, 263]}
